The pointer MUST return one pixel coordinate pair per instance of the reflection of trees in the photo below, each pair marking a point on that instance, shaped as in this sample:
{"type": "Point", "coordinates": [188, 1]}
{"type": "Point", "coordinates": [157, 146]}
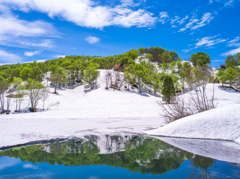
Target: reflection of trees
{"type": "Point", "coordinates": [116, 142]}
{"type": "Point", "coordinates": [135, 153]}
{"type": "Point", "coordinates": [91, 149]}
{"type": "Point", "coordinates": [200, 168]}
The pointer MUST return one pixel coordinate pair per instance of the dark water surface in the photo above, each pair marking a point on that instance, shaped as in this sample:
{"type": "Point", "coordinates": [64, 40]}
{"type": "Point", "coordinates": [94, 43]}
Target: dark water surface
{"type": "Point", "coordinates": [110, 157]}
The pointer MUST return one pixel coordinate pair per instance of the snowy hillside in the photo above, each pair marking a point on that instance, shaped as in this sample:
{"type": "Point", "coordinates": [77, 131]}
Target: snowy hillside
{"type": "Point", "coordinates": [100, 111]}
{"type": "Point", "coordinates": [81, 101]}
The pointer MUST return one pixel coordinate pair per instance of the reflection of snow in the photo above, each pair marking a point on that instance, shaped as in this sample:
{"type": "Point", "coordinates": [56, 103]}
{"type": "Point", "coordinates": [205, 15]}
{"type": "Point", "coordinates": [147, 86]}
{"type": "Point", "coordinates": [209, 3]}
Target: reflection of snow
{"type": "Point", "coordinates": [220, 150]}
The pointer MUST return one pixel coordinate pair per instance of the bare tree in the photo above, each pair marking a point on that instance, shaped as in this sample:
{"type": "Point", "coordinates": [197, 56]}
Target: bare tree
{"type": "Point", "coordinates": [34, 92]}
{"type": "Point", "coordinates": [108, 78]}
{"type": "Point", "coordinates": [8, 105]}
{"type": "Point", "coordinates": [53, 104]}
{"type": "Point", "coordinates": [179, 108]}
{"type": "Point", "coordinates": [200, 100]}
{"type": "Point", "coordinates": [3, 88]}
{"type": "Point", "coordinates": [197, 101]}
{"type": "Point", "coordinates": [44, 95]}
{"type": "Point", "coordinates": [118, 81]}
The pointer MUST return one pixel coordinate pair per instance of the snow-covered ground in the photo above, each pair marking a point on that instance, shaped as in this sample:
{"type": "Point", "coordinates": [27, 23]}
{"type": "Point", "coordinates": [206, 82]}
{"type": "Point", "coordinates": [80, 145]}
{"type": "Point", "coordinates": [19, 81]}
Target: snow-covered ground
{"type": "Point", "coordinates": [220, 123]}
{"type": "Point", "coordinates": [101, 111]}
{"type": "Point", "coordinates": [82, 111]}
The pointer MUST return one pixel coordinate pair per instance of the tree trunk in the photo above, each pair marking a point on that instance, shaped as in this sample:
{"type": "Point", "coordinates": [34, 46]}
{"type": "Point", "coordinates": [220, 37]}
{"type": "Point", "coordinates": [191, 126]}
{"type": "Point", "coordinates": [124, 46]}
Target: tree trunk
{"type": "Point", "coordinates": [16, 104]}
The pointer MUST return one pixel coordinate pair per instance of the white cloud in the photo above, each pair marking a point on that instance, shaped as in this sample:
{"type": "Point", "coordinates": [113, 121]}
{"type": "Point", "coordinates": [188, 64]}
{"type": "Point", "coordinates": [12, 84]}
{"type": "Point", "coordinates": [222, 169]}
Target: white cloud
{"type": "Point", "coordinates": [173, 20]}
{"type": "Point", "coordinates": [231, 52]}
{"type": "Point", "coordinates": [206, 42]}
{"type": "Point", "coordinates": [209, 41]}
{"type": "Point", "coordinates": [206, 18]}
{"type": "Point", "coordinates": [128, 3]}
{"type": "Point", "coordinates": [87, 13]}
{"type": "Point", "coordinates": [30, 54]}
{"type": "Point", "coordinates": [8, 57]}
{"type": "Point", "coordinates": [195, 23]}
{"type": "Point", "coordinates": [59, 56]}
{"type": "Point", "coordinates": [188, 25]}
{"type": "Point", "coordinates": [30, 166]}
{"type": "Point", "coordinates": [183, 20]}
{"type": "Point", "coordinates": [229, 3]}
{"type": "Point", "coordinates": [11, 25]}
{"type": "Point", "coordinates": [92, 40]}
{"type": "Point", "coordinates": [234, 42]}
{"type": "Point", "coordinates": [163, 17]}
{"type": "Point", "coordinates": [44, 44]}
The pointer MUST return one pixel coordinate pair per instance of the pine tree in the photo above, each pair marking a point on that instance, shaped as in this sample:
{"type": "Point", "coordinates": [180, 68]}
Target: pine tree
{"type": "Point", "coordinates": [168, 89]}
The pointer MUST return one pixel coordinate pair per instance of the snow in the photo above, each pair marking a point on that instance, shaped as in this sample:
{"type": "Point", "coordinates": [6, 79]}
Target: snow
{"type": "Point", "coordinates": [82, 110]}
{"type": "Point", "coordinates": [100, 111]}
{"type": "Point", "coordinates": [221, 123]}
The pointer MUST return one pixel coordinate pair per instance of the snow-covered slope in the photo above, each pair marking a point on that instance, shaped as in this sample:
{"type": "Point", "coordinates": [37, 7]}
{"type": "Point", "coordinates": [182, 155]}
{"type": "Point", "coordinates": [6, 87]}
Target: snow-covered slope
{"type": "Point", "coordinates": [221, 123]}
{"type": "Point", "coordinates": [106, 111]}
{"type": "Point", "coordinates": [83, 111]}
{"type": "Point", "coordinates": [82, 102]}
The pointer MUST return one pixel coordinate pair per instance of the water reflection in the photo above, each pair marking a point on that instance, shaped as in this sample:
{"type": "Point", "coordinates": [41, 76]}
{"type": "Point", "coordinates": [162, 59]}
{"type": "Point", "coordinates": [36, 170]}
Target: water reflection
{"type": "Point", "coordinates": [134, 153]}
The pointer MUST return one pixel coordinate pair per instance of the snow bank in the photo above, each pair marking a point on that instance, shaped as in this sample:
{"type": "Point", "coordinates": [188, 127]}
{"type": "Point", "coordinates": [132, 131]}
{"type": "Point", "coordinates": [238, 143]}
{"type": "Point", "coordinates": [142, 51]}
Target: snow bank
{"type": "Point", "coordinates": [221, 123]}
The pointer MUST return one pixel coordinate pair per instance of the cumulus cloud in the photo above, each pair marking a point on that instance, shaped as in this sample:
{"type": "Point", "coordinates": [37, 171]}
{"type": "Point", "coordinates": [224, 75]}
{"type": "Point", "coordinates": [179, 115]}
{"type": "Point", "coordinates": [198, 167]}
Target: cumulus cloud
{"type": "Point", "coordinates": [8, 57]}
{"type": "Point", "coordinates": [87, 13]}
{"type": "Point", "coordinates": [92, 40]}
{"type": "Point", "coordinates": [11, 25]}
{"type": "Point", "coordinates": [163, 17]}
{"type": "Point", "coordinates": [44, 44]}
{"type": "Point", "coordinates": [30, 54]}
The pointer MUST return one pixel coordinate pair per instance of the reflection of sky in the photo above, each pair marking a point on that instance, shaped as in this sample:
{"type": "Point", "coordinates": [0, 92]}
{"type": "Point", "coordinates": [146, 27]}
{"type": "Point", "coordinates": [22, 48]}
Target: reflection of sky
{"type": "Point", "coordinates": [15, 169]}
{"type": "Point", "coordinates": [6, 163]}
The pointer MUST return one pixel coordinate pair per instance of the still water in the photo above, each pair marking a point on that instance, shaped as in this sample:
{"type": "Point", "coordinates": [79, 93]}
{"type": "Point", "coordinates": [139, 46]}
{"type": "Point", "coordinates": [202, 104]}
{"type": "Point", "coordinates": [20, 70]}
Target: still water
{"type": "Point", "coordinates": [111, 157]}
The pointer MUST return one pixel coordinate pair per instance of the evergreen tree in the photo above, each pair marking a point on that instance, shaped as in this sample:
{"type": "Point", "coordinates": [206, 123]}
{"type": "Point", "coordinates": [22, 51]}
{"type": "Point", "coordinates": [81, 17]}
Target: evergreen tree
{"type": "Point", "coordinates": [168, 89]}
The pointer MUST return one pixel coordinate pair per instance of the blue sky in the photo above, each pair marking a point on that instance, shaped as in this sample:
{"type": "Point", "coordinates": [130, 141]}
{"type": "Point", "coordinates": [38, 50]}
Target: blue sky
{"type": "Point", "coordinates": [47, 29]}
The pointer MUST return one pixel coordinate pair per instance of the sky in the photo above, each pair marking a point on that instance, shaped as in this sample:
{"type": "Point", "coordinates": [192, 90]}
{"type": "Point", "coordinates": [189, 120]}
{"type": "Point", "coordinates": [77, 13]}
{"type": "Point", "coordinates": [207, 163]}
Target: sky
{"type": "Point", "coordinates": [48, 29]}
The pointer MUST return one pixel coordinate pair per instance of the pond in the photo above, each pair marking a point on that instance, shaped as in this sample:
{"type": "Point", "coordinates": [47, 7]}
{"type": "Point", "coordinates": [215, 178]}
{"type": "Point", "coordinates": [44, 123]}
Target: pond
{"type": "Point", "coordinates": [113, 157]}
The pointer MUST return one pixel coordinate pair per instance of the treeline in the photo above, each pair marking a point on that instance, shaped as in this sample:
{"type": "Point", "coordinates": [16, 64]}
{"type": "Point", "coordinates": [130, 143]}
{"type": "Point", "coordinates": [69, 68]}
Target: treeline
{"type": "Point", "coordinates": [230, 73]}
